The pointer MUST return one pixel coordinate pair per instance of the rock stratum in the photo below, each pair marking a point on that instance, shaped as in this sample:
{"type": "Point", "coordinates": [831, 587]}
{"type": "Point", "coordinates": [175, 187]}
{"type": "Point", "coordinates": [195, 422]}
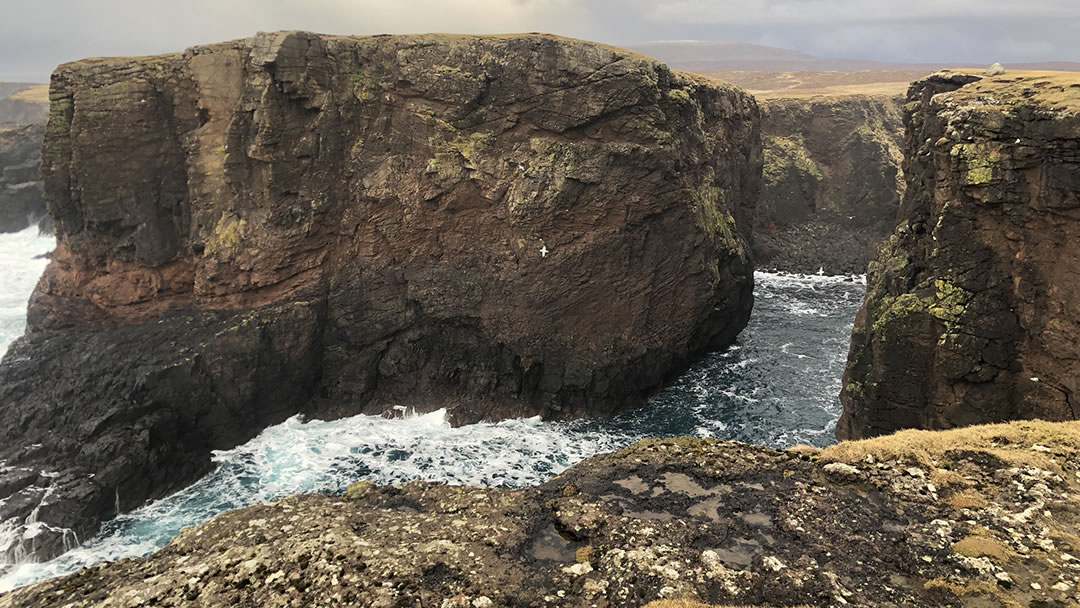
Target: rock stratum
{"type": "Point", "coordinates": [970, 314]}
{"type": "Point", "coordinates": [832, 181]}
{"type": "Point", "coordinates": [985, 516]}
{"type": "Point", "coordinates": [326, 225]}
{"type": "Point", "coordinates": [22, 197]}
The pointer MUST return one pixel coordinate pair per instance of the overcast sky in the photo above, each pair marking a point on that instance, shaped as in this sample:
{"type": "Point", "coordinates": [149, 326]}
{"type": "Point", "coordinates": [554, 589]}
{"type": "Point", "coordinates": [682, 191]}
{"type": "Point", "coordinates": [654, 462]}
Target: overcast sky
{"type": "Point", "coordinates": [36, 35]}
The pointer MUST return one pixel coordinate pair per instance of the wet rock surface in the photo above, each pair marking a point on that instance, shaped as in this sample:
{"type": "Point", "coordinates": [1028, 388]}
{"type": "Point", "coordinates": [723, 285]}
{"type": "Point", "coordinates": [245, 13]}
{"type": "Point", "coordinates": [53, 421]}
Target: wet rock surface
{"type": "Point", "coordinates": [503, 226]}
{"type": "Point", "coordinates": [970, 312]}
{"type": "Point", "coordinates": [22, 195]}
{"type": "Point", "coordinates": [832, 182]}
{"type": "Point", "coordinates": [985, 516]}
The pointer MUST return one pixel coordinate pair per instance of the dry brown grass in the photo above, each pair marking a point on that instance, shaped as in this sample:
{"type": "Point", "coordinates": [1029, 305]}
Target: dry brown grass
{"type": "Point", "coordinates": [1045, 87]}
{"type": "Point", "coordinates": [802, 448]}
{"type": "Point", "coordinates": [877, 89]}
{"type": "Point", "coordinates": [967, 499]}
{"type": "Point", "coordinates": [38, 93]}
{"type": "Point", "coordinates": [799, 85]}
{"type": "Point", "coordinates": [1010, 442]}
{"type": "Point", "coordinates": [943, 478]}
{"type": "Point", "coordinates": [696, 604]}
{"type": "Point", "coordinates": [981, 589]}
{"type": "Point", "coordinates": [982, 546]}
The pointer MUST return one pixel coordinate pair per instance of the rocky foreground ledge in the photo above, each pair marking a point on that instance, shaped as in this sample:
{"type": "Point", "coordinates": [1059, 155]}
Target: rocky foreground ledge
{"type": "Point", "coordinates": [984, 516]}
{"type": "Point", "coordinates": [294, 223]}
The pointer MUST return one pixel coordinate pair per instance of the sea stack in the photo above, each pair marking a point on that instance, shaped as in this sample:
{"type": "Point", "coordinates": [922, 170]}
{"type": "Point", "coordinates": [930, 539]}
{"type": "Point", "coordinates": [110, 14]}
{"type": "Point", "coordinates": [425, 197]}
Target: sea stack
{"type": "Point", "coordinates": [970, 314]}
{"type": "Point", "coordinates": [328, 225]}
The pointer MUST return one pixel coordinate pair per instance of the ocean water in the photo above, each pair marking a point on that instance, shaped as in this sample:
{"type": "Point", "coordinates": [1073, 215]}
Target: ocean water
{"type": "Point", "coordinates": [777, 386]}
{"type": "Point", "coordinates": [22, 259]}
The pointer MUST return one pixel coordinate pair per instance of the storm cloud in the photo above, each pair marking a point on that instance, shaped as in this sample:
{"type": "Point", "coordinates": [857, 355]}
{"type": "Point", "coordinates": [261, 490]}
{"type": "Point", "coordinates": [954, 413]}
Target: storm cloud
{"type": "Point", "coordinates": [36, 36]}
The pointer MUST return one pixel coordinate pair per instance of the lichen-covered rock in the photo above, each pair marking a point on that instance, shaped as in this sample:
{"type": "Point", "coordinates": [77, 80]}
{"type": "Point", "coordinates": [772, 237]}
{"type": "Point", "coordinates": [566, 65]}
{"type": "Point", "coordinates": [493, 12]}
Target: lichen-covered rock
{"type": "Point", "coordinates": [502, 225]}
{"type": "Point", "coordinates": [973, 517]}
{"type": "Point", "coordinates": [22, 199]}
{"type": "Point", "coordinates": [832, 181]}
{"type": "Point", "coordinates": [970, 314]}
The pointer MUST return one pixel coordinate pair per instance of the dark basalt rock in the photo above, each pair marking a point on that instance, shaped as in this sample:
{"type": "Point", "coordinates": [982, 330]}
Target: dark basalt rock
{"type": "Point", "coordinates": [505, 226]}
{"type": "Point", "coordinates": [970, 312]}
{"type": "Point", "coordinates": [22, 196]}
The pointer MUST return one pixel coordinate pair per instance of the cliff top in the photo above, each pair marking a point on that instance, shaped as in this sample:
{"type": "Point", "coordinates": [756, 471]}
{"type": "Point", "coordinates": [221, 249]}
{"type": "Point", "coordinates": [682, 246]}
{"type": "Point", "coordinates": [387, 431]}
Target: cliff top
{"type": "Point", "coordinates": [432, 36]}
{"type": "Point", "coordinates": [76, 65]}
{"type": "Point", "coordinates": [1050, 89]}
{"type": "Point", "coordinates": [805, 85]}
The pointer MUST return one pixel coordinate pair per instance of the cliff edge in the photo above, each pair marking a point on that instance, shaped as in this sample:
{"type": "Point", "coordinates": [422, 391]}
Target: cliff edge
{"type": "Point", "coordinates": [970, 312]}
{"type": "Point", "coordinates": [328, 225]}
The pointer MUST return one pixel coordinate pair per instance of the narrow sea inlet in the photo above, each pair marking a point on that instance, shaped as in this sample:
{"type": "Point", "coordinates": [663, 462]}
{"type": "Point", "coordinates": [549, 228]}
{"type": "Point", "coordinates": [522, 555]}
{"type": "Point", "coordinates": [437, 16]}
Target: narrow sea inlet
{"type": "Point", "coordinates": [777, 386]}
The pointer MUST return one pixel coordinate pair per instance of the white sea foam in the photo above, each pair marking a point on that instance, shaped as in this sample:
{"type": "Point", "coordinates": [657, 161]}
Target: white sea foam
{"type": "Point", "coordinates": [21, 264]}
{"type": "Point", "coordinates": [317, 456]}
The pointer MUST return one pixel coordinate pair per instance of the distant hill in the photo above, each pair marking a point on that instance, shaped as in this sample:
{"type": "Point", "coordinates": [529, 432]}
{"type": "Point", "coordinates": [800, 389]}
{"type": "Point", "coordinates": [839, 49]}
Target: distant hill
{"type": "Point", "coordinates": [727, 56]}
{"type": "Point", "coordinates": [23, 102]}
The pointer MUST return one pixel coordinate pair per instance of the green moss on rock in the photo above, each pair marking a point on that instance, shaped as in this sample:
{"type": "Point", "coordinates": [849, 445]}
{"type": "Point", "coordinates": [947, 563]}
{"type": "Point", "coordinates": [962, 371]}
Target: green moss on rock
{"type": "Point", "coordinates": [784, 155]}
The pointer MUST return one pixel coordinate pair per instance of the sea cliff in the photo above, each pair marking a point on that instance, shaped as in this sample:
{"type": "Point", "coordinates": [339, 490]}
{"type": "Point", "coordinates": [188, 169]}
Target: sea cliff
{"type": "Point", "coordinates": [328, 225]}
{"type": "Point", "coordinates": [970, 312]}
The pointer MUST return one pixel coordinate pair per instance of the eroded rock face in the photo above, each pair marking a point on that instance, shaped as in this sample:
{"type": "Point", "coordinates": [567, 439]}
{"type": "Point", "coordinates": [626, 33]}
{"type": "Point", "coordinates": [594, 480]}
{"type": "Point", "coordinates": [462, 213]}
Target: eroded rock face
{"type": "Point", "coordinates": [832, 182]}
{"type": "Point", "coordinates": [918, 520]}
{"type": "Point", "coordinates": [970, 314]}
{"type": "Point", "coordinates": [503, 226]}
{"type": "Point", "coordinates": [22, 197]}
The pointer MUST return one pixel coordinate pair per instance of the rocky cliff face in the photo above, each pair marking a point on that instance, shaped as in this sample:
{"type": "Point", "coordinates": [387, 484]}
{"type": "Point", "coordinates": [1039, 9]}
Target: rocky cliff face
{"type": "Point", "coordinates": [970, 311]}
{"type": "Point", "coordinates": [22, 200]}
{"type": "Point", "coordinates": [504, 226]}
{"type": "Point", "coordinates": [832, 183]}
{"type": "Point", "coordinates": [970, 517]}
